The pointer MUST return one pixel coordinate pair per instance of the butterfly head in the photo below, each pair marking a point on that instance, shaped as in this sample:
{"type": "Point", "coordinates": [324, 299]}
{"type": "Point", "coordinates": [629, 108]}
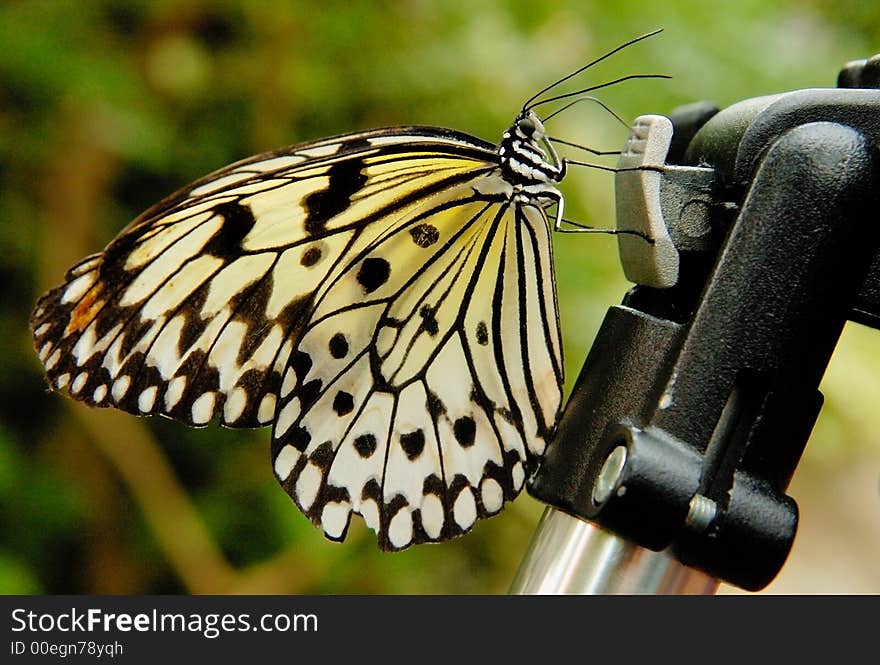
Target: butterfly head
{"type": "Point", "coordinates": [527, 157]}
{"type": "Point", "coordinates": [529, 127]}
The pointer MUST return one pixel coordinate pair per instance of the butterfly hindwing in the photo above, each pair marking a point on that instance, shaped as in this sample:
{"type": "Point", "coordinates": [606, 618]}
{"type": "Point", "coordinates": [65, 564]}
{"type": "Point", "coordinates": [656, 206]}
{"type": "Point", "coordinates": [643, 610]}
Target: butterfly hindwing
{"type": "Point", "coordinates": [433, 411]}
{"type": "Point", "coordinates": [380, 298]}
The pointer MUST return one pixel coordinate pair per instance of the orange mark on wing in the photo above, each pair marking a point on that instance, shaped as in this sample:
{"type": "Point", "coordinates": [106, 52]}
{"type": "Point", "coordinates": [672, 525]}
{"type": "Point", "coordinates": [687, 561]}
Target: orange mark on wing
{"type": "Point", "coordinates": [86, 310]}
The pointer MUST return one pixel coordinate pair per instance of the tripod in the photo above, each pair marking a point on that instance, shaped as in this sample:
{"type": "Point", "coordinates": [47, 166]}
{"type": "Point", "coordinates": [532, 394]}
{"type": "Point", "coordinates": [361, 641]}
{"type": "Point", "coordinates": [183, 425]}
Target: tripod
{"type": "Point", "coordinates": [700, 391]}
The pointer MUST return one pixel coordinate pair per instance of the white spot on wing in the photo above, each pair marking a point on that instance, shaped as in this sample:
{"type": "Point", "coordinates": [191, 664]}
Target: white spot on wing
{"type": "Point", "coordinates": [120, 387]}
{"type": "Point", "coordinates": [85, 345]}
{"type": "Point", "coordinates": [79, 382]}
{"type": "Point", "coordinates": [285, 462]}
{"type": "Point", "coordinates": [53, 359]}
{"type": "Point", "coordinates": [272, 164]}
{"type": "Point", "coordinates": [219, 183]}
{"type": "Point", "coordinates": [334, 518]}
{"type": "Point", "coordinates": [267, 409]}
{"type": "Point", "coordinates": [465, 509]}
{"type": "Point", "coordinates": [289, 382]}
{"type": "Point", "coordinates": [203, 408]}
{"type": "Point", "coordinates": [308, 484]}
{"type": "Point", "coordinates": [174, 391]}
{"type": "Point", "coordinates": [320, 151]}
{"type": "Point", "coordinates": [85, 265]}
{"type": "Point", "coordinates": [287, 416]}
{"type": "Point", "coordinates": [518, 476]}
{"type": "Point", "coordinates": [370, 512]}
{"type": "Point", "coordinates": [78, 287]}
{"type": "Point", "coordinates": [400, 531]}
{"type": "Point", "coordinates": [432, 515]}
{"type": "Point", "coordinates": [492, 495]}
{"type": "Point", "coordinates": [100, 393]}
{"type": "Point", "coordinates": [147, 399]}
{"type": "Point", "coordinates": [62, 380]}
{"type": "Point", "coordinates": [264, 354]}
{"type": "Point", "coordinates": [235, 404]}
{"type": "Point", "coordinates": [45, 350]}
{"type": "Point", "coordinates": [385, 339]}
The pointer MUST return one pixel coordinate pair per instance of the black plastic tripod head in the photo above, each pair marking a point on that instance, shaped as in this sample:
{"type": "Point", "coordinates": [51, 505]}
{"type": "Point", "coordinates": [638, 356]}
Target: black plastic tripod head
{"type": "Point", "coordinates": [698, 396]}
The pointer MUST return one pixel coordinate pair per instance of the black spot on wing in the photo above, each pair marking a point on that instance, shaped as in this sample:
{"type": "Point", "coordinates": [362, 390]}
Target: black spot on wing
{"type": "Point", "coordinates": [238, 222]}
{"type": "Point", "coordinates": [435, 406]}
{"type": "Point", "coordinates": [343, 403]}
{"type": "Point", "coordinates": [424, 235]}
{"type": "Point", "coordinates": [365, 445]}
{"type": "Point", "coordinates": [310, 257]}
{"type": "Point", "coordinates": [322, 456]}
{"type": "Point", "coordinates": [372, 490]}
{"type": "Point", "coordinates": [299, 438]}
{"type": "Point", "coordinates": [413, 443]}
{"type": "Point", "coordinates": [353, 145]}
{"type": "Point", "coordinates": [429, 321]}
{"type": "Point", "coordinates": [301, 363]}
{"type": "Point", "coordinates": [346, 178]}
{"type": "Point", "coordinates": [373, 273]}
{"type": "Point", "coordinates": [465, 430]}
{"type": "Point", "coordinates": [309, 393]}
{"type": "Point", "coordinates": [482, 334]}
{"type": "Point", "coordinates": [338, 346]}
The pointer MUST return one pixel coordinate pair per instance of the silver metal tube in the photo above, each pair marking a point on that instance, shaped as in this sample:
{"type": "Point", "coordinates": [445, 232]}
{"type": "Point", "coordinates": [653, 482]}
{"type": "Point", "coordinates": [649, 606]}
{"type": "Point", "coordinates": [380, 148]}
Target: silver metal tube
{"type": "Point", "coordinates": [570, 556]}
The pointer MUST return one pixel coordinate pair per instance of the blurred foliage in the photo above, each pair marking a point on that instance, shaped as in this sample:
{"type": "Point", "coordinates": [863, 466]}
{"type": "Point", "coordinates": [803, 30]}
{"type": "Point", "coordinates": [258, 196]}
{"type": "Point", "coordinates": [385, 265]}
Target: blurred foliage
{"type": "Point", "coordinates": [107, 106]}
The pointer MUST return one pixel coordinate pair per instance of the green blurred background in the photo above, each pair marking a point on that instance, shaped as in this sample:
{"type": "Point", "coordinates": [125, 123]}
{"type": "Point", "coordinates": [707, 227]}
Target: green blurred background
{"type": "Point", "coordinates": [105, 107]}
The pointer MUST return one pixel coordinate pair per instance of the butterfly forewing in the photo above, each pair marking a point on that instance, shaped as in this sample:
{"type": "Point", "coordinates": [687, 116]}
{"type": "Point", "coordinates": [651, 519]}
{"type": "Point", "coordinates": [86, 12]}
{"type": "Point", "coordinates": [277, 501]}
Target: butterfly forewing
{"type": "Point", "coordinates": [379, 297]}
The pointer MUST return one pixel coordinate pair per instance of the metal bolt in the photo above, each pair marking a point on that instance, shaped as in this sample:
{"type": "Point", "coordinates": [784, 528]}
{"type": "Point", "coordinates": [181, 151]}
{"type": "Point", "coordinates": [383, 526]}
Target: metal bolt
{"type": "Point", "coordinates": [609, 475]}
{"type": "Point", "coordinates": [701, 512]}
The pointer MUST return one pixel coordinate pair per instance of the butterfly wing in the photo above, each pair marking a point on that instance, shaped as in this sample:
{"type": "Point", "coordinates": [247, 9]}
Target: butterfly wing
{"type": "Point", "coordinates": [193, 310]}
{"type": "Point", "coordinates": [428, 380]}
{"type": "Point", "coordinates": [330, 288]}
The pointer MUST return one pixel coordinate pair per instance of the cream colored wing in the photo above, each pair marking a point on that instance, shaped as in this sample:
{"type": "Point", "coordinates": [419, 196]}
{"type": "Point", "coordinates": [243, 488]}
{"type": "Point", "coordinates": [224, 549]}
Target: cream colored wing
{"type": "Point", "coordinates": [194, 310]}
{"type": "Point", "coordinates": [427, 383]}
{"type": "Point", "coordinates": [378, 297]}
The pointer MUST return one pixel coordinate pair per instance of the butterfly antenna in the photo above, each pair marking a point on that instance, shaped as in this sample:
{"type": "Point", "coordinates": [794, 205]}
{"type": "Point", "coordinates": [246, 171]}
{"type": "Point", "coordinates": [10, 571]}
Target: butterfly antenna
{"type": "Point", "coordinates": [531, 99]}
{"type": "Point", "coordinates": [583, 228]}
{"type": "Point", "coordinates": [592, 151]}
{"type": "Point", "coordinates": [607, 84]}
{"type": "Point", "coordinates": [612, 169]}
{"type": "Point", "coordinates": [595, 100]}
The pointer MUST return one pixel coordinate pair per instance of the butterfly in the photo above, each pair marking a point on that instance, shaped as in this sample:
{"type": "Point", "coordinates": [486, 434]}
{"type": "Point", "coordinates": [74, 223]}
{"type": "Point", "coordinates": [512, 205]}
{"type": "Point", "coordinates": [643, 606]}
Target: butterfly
{"type": "Point", "coordinates": [385, 300]}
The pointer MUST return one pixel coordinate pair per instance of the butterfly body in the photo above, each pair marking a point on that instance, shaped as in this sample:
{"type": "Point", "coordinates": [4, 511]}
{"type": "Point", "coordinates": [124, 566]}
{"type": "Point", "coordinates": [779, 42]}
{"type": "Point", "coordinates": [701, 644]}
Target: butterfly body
{"type": "Point", "coordinates": [385, 300]}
